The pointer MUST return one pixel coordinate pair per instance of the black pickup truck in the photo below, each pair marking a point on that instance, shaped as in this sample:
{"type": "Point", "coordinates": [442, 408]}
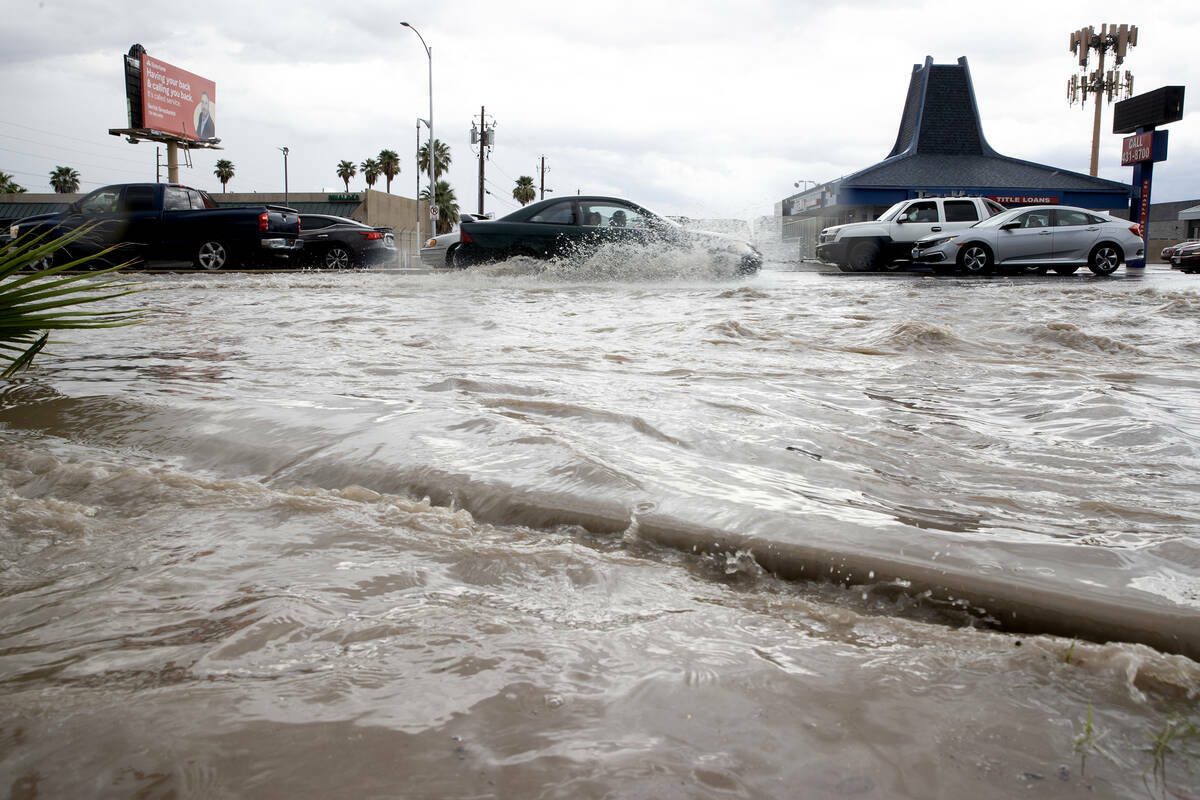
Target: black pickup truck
{"type": "Point", "coordinates": [168, 225]}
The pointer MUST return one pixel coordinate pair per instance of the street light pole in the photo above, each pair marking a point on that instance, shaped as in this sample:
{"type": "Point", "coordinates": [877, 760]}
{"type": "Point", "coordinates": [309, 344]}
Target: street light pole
{"type": "Point", "coordinates": [429, 122]}
{"type": "Point", "coordinates": [284, 150]}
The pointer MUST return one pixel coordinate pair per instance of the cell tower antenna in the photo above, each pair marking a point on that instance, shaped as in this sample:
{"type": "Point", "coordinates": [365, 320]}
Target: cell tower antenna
{"type": "Point", "coordinates": [1100, 84]}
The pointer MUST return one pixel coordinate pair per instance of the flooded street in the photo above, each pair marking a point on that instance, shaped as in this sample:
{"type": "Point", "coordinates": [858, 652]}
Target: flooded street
{"type": "Point", "coordinates": [620, 529]}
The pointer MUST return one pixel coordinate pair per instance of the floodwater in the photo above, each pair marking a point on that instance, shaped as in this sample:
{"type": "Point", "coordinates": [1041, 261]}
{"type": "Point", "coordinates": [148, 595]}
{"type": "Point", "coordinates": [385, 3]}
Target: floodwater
{"type": "Point", "coordinates": [623, 529]}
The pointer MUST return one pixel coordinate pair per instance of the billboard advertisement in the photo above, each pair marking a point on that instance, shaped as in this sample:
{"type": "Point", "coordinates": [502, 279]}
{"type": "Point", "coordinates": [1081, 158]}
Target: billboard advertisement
{"type": "Point", "coordinates": [176, 101]}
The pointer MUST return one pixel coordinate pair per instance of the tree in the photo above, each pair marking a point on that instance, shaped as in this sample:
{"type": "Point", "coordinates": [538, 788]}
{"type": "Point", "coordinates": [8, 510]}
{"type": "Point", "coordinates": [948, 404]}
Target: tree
{"type": "Point", "coordinates": [346, 170]}
{"type": "Point", "coordinates": [447, 205]}
{"type": "Point", "coordinates": [441, 158]}
{"type": "Point", "coordinates": [8, 185]}
{"type": "Point", "coordinates": [224, 172]}
{"type": "Point", "coordinates": [389, 165]}
{"type": "Point", "coordinates": [64, 180]}
{"type": "Point", "coordinates": [371, 171]}
{"type": "Point", "coordinates": [31, 308]}
{"type": "Point", "coordinates": [524, 192]}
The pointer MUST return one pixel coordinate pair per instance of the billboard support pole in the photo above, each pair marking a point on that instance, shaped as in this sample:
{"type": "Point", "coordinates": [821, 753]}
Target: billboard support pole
{"type": "Point", "coordinates": [172, 162]}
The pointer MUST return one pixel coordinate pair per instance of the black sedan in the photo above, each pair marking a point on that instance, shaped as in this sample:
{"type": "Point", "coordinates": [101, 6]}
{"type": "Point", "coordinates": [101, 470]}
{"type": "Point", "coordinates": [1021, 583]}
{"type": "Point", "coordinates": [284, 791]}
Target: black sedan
{"type": "Point", "coordinates": [342, 243]}
{"type": "Point", "coordinates": [574, 226]}
{"type": "Point", "coordinates": [1186, 258]}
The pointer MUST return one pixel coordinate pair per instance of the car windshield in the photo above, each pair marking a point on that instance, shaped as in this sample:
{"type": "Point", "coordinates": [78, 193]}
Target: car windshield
{"type": "Point", "coordinates": [998, 219]}
{"type": "Point", "coordinates": [893, 211]}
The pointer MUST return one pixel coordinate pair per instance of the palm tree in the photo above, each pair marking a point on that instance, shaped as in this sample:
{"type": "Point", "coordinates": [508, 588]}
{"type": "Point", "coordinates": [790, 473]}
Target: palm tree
{"type": "Point", "coordinates": [8, 185]}
{"type": "Point", "coordinates": [64, 180]}
{"type": "Point", "coordinates": [371, 171]}
{"type": "Point", "coordinates": [524, 192]}
{"type": "Point", "coordinates": [389, 165]}
{"type": "Point", "coordinates": [441, 158]}
{"type": "Point", "coordinates": [224, 172]}
{"type": "Point", "coordinates": [346, 170]}
{"type": "Point", "coordinates": [447, 205]}
{"type": "Point", "coordinates": [33, 305]}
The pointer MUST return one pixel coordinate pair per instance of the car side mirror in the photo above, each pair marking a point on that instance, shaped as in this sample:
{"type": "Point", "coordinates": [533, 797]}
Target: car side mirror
{"type": "Point", "coordinates": [901, 221]}
{"type": "Point", "coordinates": [1008, 226]}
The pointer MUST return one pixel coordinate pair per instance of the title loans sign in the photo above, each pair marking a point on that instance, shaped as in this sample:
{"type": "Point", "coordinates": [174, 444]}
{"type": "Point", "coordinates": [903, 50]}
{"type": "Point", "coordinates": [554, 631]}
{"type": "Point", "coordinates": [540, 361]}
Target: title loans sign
{"type": "Point", "coordinates": [176, 101]}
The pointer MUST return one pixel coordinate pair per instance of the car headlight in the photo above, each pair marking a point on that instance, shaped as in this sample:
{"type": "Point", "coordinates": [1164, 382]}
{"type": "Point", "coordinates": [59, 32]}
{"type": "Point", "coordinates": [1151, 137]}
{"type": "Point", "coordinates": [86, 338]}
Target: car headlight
{"type": "Point", "coordinates": [431, 243]}
{"type": "Point", "coordinates": [937, 242]}
{"type": "Point", "coordinates": [12, 231]}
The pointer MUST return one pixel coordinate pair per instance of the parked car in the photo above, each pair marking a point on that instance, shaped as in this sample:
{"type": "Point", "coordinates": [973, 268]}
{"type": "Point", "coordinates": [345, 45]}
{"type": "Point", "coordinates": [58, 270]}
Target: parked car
{"type": "Point", "coordinates": [887, 242]}
{"type": "Point", "coordinates": [578, 225]}
{"type": "Point", "coordinates": [1187, 258]}
{"type": "Point", "coordinates": [1033, 239]}
{"type": "Point", "coordinates": [169, 225]}
{"type": "Point", "coordinates": [342, 243]}
{"type": "Point", "coordinates": [439, 251]}
{"type": "Point", "coordinates": [1167, 252]}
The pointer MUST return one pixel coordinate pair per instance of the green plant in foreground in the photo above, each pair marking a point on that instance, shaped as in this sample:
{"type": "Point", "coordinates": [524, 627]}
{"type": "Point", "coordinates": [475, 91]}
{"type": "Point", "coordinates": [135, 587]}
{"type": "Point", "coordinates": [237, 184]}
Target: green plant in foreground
{"type": "Point", "coordinates": [33, 303]}
{"type": "Point", "coordinates": [1089, 741]}
{"type": "Point", "coordinates": [1173, 740]}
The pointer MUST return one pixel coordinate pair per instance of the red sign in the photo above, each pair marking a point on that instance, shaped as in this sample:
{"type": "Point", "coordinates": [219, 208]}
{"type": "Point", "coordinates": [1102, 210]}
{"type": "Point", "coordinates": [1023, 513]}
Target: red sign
{"type": "Point", "coordinates": [1023, 200]}
{"type": "Point", "coordinates": [1145, 215]}
{"type": "Point", "coordinates": [1135, 149]}
{"type": "Point", "coordinates": [176, 101]}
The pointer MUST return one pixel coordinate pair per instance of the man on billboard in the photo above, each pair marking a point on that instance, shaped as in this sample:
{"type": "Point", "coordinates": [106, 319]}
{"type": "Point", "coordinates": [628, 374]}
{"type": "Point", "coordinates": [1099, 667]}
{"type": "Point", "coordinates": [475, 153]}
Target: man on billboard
{"type": "Point", "coordinates": [205, 126]}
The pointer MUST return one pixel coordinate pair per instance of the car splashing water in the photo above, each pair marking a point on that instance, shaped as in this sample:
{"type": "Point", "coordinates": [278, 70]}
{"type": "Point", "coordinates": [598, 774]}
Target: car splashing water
{"type": "Point", "coordinates": [610, 528]}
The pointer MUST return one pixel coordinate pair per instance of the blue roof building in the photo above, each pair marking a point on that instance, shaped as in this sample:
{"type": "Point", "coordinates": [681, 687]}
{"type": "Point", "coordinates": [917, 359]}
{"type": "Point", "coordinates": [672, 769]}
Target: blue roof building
{"type": "Point", "coordinates": [940, 150]}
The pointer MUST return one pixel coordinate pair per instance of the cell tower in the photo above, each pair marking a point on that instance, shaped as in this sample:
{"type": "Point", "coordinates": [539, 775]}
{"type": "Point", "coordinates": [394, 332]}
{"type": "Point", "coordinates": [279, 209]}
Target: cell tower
{"type": "Point", "coordinates": [1100, 83]}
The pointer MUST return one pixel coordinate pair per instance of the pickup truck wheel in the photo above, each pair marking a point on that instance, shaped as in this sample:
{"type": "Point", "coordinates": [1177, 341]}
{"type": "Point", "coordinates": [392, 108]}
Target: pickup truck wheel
{"type": "Point", "coordinates": [863, 257]}
{"type": "Point", "coordinates": [453, 259]}
{"type": "Point", "coordinates": [212, 255]}
{"type": "Point", "coordinates": [1104, 259]}
{"type": "Point", "coordinates": [975, 259]}
{"type": "Point", "coordinates": [338, 258]}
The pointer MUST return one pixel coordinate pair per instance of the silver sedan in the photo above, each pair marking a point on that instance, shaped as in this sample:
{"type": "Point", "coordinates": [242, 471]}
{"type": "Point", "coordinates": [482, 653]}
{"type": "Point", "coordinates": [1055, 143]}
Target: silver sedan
{"type": "Point", "coordinates": [438, 252]}
{"type": "Point", "coordinates": [1032, 239]}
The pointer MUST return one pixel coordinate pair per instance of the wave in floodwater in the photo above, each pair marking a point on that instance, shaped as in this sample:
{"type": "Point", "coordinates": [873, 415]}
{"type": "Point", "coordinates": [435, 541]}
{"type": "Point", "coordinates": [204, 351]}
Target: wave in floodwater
{"type": "Point", "coordinates": [531, 534]}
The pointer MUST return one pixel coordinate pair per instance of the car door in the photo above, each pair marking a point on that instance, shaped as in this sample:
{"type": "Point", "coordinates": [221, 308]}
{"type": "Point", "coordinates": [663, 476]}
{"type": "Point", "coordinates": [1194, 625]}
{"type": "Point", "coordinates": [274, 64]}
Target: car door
{"type": "Point", "coordinates": [99, 213]}
{"type": "Point", "coordinates": [1075, 232]}
{"type": "Point", "coordinates": [1027, 238]}
{"type": "Point", "coordinates": [555, 230]}
{"type": "Point", "coordinates": [141, 235]}
{"type": "Point", "coordinates": [917, 219]}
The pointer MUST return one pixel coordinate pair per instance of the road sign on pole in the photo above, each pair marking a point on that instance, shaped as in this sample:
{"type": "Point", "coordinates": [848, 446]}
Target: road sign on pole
{"type": "Point", "coordinates": [433, 212]}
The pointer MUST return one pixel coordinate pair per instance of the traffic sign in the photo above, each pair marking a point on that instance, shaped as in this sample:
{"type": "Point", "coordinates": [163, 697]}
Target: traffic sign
{"type": "Point", "coordinates": [433, 212]}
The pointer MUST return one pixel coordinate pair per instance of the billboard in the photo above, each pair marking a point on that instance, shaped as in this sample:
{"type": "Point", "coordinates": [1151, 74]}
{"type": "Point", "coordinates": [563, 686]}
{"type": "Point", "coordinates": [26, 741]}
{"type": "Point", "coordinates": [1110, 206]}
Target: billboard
{"type": "Point", "coordinates": [176, 101]}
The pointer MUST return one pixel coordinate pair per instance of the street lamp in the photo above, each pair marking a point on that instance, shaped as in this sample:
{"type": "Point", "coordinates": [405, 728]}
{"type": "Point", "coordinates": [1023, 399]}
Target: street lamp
{"type": "Point", "coordinates": [284, 150]}
{"type": "Point", "coordinates": [429, 123]}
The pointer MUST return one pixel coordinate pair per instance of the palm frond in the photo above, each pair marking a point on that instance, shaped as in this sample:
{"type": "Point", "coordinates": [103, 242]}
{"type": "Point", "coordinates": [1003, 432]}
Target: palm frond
{"type": "Point", "coordinates": [32, 302]}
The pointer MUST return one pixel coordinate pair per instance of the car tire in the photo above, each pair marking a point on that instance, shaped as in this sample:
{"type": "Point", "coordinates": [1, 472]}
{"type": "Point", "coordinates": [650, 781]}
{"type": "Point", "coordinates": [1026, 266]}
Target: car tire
{"type": "Point", "coordinates": [212, 255]}
{"type": "Point", "coordinates": [863, 257]}
{"type": "Point", "coordinates": [975, 258]}
{"type": "Point", "coordinates": [1071, 270]}
{"type": "Point", "coordinates": [1105, 258]}
{"type": "Point", "coordinates": [452, 259]}
{"type": "Point", "coordinates": [337, 257]}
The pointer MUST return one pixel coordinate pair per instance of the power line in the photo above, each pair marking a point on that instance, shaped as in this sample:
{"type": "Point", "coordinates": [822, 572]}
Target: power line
{"type": "Point", "coordinates": [79, 163]}
{"type": "Point", "coordinates": [73, 150]}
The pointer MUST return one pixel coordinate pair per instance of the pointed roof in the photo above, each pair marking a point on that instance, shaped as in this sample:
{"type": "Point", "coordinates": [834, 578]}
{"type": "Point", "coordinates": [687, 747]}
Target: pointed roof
{"type": "Point", "coordinates": [940, 146]}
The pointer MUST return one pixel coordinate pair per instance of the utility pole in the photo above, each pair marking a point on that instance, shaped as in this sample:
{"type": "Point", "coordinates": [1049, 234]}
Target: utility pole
{"type": "Point", "coordinates": [1099, 83]}
{"type": "Point", "coordinates": [485, 137]}
{"type": "Point", "coordinates": [542, 172]}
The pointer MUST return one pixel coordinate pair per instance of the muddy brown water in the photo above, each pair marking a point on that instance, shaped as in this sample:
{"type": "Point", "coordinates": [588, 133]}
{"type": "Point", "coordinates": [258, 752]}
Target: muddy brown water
{"type": "Point", "coordinates": [629, 528]}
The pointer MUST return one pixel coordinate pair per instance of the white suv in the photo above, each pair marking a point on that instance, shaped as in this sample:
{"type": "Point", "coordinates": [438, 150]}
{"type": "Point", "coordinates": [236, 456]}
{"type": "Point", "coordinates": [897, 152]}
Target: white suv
{"type": "Point", "coordinates": [887, 242]}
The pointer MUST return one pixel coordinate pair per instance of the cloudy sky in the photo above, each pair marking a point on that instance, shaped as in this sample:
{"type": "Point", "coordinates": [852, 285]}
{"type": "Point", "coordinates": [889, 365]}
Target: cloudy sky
{"type": "Point", "coordinates": [705, 109]}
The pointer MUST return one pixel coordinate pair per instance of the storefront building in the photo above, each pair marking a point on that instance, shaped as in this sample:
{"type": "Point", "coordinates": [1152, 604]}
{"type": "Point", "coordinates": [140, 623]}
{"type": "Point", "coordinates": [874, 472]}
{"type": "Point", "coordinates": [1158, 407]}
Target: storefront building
{"type": "Point", "coordinates": [940, 150]}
